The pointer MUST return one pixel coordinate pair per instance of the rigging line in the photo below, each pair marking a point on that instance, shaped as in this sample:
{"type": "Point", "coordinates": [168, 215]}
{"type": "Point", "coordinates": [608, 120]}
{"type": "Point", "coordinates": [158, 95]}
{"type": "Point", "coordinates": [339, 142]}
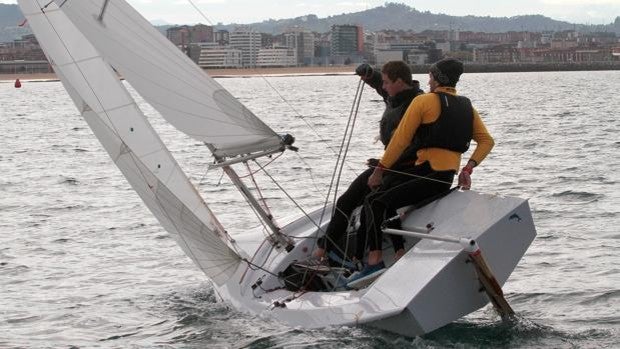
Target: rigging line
{"type": "Point", "coordinates": [354, 108]}
{"type": "Point", "coordinates": [46, 5]}
{"type": "Point", "coordinates": [413, 175]}
{"type": "Point", "coordinates": [202, 14]}
{"type": "Point", "coordinates": [338, 159]}
{"type": "Point", "coordinates": [287, 195]}
{"type": "Point", "coordinates": [250, 264]}
{"type": "Point", "coordinates": [346, 150]}
{"type": "Point", "coordinates": [324, 141]}
{"type": "Point", "coordinates": [105, 5]}
{"type": "Point", "coordinates": [308, 124]}
{"type": "Point", "coordinates": [353, 116]}
{"type": "Point", "coordinates": [267, 164]}
{"type": "Point", "coordinates": [260, 193]}
{"type": "Point", "coordinates": [316, 186]}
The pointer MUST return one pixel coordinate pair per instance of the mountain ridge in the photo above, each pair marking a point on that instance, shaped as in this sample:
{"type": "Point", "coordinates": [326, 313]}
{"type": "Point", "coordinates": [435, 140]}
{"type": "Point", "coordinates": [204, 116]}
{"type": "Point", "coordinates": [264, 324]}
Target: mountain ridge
{"type": "Point", "coordinates": [391, 15]}
{"type": "Point", "coordinates": [402, 17]}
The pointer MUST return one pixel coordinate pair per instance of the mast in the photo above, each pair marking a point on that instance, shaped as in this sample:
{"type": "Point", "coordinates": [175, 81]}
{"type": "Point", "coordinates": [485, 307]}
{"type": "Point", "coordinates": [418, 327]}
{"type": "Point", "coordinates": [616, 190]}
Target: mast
{"type": "Point", "coordinates": [276, 237]}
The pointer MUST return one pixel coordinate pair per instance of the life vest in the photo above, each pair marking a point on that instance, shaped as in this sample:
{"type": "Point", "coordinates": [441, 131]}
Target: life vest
{"type": "Point", "coordinates": [453, 129]}
{"type": "Point", "coordinates": [395, 108]}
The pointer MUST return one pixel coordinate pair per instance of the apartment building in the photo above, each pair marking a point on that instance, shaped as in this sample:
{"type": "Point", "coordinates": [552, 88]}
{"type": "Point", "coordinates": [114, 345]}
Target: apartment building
{"type": "Point", "coordinates": [303, 42]}
{"type": "Point", "coordinates": [214, 55]}
{"type": "Point", "coordinates": [277, 57]}
{"type": "Point", "coordinates": [249, 42]}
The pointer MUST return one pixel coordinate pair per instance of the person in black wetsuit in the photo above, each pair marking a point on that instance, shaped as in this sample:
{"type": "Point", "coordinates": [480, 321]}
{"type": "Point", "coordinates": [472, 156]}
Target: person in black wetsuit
{"type": "Point", "coordinates": [394, 83]}
{"type": "Point", "coordinates": [434, 132]}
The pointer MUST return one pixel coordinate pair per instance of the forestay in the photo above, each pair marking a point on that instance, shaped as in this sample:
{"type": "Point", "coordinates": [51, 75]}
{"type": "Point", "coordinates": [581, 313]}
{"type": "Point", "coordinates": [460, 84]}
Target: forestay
{"type": "Point", "coordinates": [166, 78]}
{"type": "Point", "coordinates": [131, 142]}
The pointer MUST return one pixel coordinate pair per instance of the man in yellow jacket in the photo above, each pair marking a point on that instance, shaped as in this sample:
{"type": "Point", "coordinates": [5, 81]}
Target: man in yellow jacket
{"type": "Point", "coordinates": [425, 151]}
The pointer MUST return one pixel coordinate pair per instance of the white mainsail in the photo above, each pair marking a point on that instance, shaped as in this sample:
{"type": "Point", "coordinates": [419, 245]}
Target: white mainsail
{"type": "Point", "coordinates": [166, 78]}
{"type": "Point", "coordinates": [131, 141]}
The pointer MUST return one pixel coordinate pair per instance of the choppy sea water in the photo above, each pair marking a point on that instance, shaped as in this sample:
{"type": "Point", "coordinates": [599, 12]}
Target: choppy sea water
{"type": "Point", "coordinates": [84, 264]}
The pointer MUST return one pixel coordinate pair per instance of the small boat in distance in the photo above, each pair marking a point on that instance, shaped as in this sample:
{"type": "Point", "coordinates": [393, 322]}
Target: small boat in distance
{"type": "Point", "coordinates": [433, 284]}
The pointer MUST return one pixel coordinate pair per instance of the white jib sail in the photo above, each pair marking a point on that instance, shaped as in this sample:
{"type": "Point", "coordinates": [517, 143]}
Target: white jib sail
{"type": "Point", "coordinates": [131, 142]}
{"type": "Point", "coordinates": [166, 78]}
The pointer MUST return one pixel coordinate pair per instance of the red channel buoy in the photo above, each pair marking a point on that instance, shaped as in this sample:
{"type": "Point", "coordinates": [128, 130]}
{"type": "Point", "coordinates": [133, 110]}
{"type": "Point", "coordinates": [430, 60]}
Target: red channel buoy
{"type": "Point", "coordinates": [18, 83]}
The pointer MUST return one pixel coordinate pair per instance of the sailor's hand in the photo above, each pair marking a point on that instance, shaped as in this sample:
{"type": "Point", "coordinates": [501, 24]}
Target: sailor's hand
{"type": "Point", "coordinates": [364, 70]}
{"type": "Point", "coordinates": [372, 162]}
{"type": "Point", "coordinates": [465, 177]}
{"type": "Point", "coordinates": [375, 178]}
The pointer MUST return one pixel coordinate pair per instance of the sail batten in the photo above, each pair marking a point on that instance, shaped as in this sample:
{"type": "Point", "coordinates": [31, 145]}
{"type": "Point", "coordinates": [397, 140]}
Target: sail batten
{"type": "Point", "coordinates": [168, 80]}
{"type": "Point", "coordinates": [132, 143]}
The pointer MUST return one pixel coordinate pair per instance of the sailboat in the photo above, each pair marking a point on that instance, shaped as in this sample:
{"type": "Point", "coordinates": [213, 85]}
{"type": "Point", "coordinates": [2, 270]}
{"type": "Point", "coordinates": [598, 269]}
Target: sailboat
{"type": "Point", "coordinates": [90, 43]}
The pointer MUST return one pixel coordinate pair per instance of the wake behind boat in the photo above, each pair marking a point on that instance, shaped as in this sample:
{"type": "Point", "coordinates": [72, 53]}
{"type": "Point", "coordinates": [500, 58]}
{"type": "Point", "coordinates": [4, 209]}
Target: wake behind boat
{"type": "Point", "coordinates": [435, 283]}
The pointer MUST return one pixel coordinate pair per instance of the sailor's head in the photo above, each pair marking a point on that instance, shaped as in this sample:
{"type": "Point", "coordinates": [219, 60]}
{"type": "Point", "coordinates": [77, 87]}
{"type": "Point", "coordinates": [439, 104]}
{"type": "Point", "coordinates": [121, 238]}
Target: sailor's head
{"type": "Point", "coordinates": [396, 77]}
{"type": "Point", "coordinates": [446, 72]}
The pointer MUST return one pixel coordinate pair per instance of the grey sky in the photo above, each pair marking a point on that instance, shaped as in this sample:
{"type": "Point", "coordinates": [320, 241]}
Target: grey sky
{"type": "Point", "coordinates": [248, 11]}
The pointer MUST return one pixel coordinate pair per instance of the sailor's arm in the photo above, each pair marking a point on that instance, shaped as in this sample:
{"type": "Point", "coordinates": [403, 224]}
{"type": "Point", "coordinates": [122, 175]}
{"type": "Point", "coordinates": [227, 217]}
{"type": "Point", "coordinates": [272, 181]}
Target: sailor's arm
{"type": "Point", "coordinates": [372, 78]}
{"type": "Point", "coordinates": [484, 144]}
{"type": "Point", "coordinates": [399, 142]}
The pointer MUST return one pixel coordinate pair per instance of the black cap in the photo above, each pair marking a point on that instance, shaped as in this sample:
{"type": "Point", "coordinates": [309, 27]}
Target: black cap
{"type": "Point", "coordinates": [447, 71]}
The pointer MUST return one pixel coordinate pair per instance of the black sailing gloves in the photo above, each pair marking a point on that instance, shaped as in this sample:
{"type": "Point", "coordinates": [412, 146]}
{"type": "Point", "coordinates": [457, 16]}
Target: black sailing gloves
{"type": "Point", "coordinates": [364, 70]}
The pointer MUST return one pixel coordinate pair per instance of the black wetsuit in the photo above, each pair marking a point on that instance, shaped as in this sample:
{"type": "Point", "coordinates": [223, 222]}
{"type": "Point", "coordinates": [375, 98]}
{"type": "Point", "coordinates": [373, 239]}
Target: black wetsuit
{"type": "Point", "coordinates": [354, 196]}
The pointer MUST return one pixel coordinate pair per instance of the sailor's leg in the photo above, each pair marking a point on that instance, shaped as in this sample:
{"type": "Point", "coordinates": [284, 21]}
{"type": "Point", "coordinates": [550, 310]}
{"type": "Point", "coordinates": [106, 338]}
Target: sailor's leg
{"type": "Point", "coordinates": [345, 205]}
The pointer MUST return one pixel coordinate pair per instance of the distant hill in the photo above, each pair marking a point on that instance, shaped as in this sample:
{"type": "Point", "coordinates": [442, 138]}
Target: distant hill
{"type": "Point", "coordinates": [400, 16]}
{"type": "Point", "coordinates": [389, 16]}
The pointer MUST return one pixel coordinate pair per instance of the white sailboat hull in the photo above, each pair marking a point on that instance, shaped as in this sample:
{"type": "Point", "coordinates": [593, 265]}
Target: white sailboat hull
{"type": "Point", "coordinates": [431, 286]}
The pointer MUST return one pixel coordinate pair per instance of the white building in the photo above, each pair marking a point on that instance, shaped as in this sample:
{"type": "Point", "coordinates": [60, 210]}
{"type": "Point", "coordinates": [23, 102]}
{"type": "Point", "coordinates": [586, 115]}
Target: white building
{"type": "Point", "coordinates": [303, 42]}
{"type": "Point", "coordinates": [249, 42]}
{"type": "Point", "coordinates": [277, 57]}
{"type": "Point", "coordinates": [417, 57]}
{"type": "Point", "coordinates": [385, 56]}
{"type": "Point", "coordinates": [216, 56]}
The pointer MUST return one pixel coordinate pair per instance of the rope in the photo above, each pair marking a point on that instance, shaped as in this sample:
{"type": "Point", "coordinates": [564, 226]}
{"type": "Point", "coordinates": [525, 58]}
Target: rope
{"type": "Point", "coordinates": [345, 144]}
{"type": "Point", "coordinates": [260, 193]}
{"type": "Point", "coordinates": [288, 196]}
{"type": "Point", "coordinates": [356, 100]}
{"type": "Point", "coordinates": [413, 175]}
{"type": "Point", "coordinates": [198, 10]}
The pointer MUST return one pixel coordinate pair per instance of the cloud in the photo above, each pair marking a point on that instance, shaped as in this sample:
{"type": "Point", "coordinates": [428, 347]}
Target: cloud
{"type": "Point", "coordinates": [580, 2]}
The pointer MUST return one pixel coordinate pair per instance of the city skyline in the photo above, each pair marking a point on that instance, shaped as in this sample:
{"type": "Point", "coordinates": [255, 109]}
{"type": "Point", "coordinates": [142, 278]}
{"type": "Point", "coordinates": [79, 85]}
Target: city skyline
{"type": "Point", "coordinates": [250, 11]}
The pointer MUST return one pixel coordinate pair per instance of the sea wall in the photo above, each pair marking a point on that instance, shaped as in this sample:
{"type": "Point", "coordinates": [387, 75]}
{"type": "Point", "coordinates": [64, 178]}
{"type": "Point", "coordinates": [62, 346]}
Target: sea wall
{"type": "Point", "coordinates": [527, 67]}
